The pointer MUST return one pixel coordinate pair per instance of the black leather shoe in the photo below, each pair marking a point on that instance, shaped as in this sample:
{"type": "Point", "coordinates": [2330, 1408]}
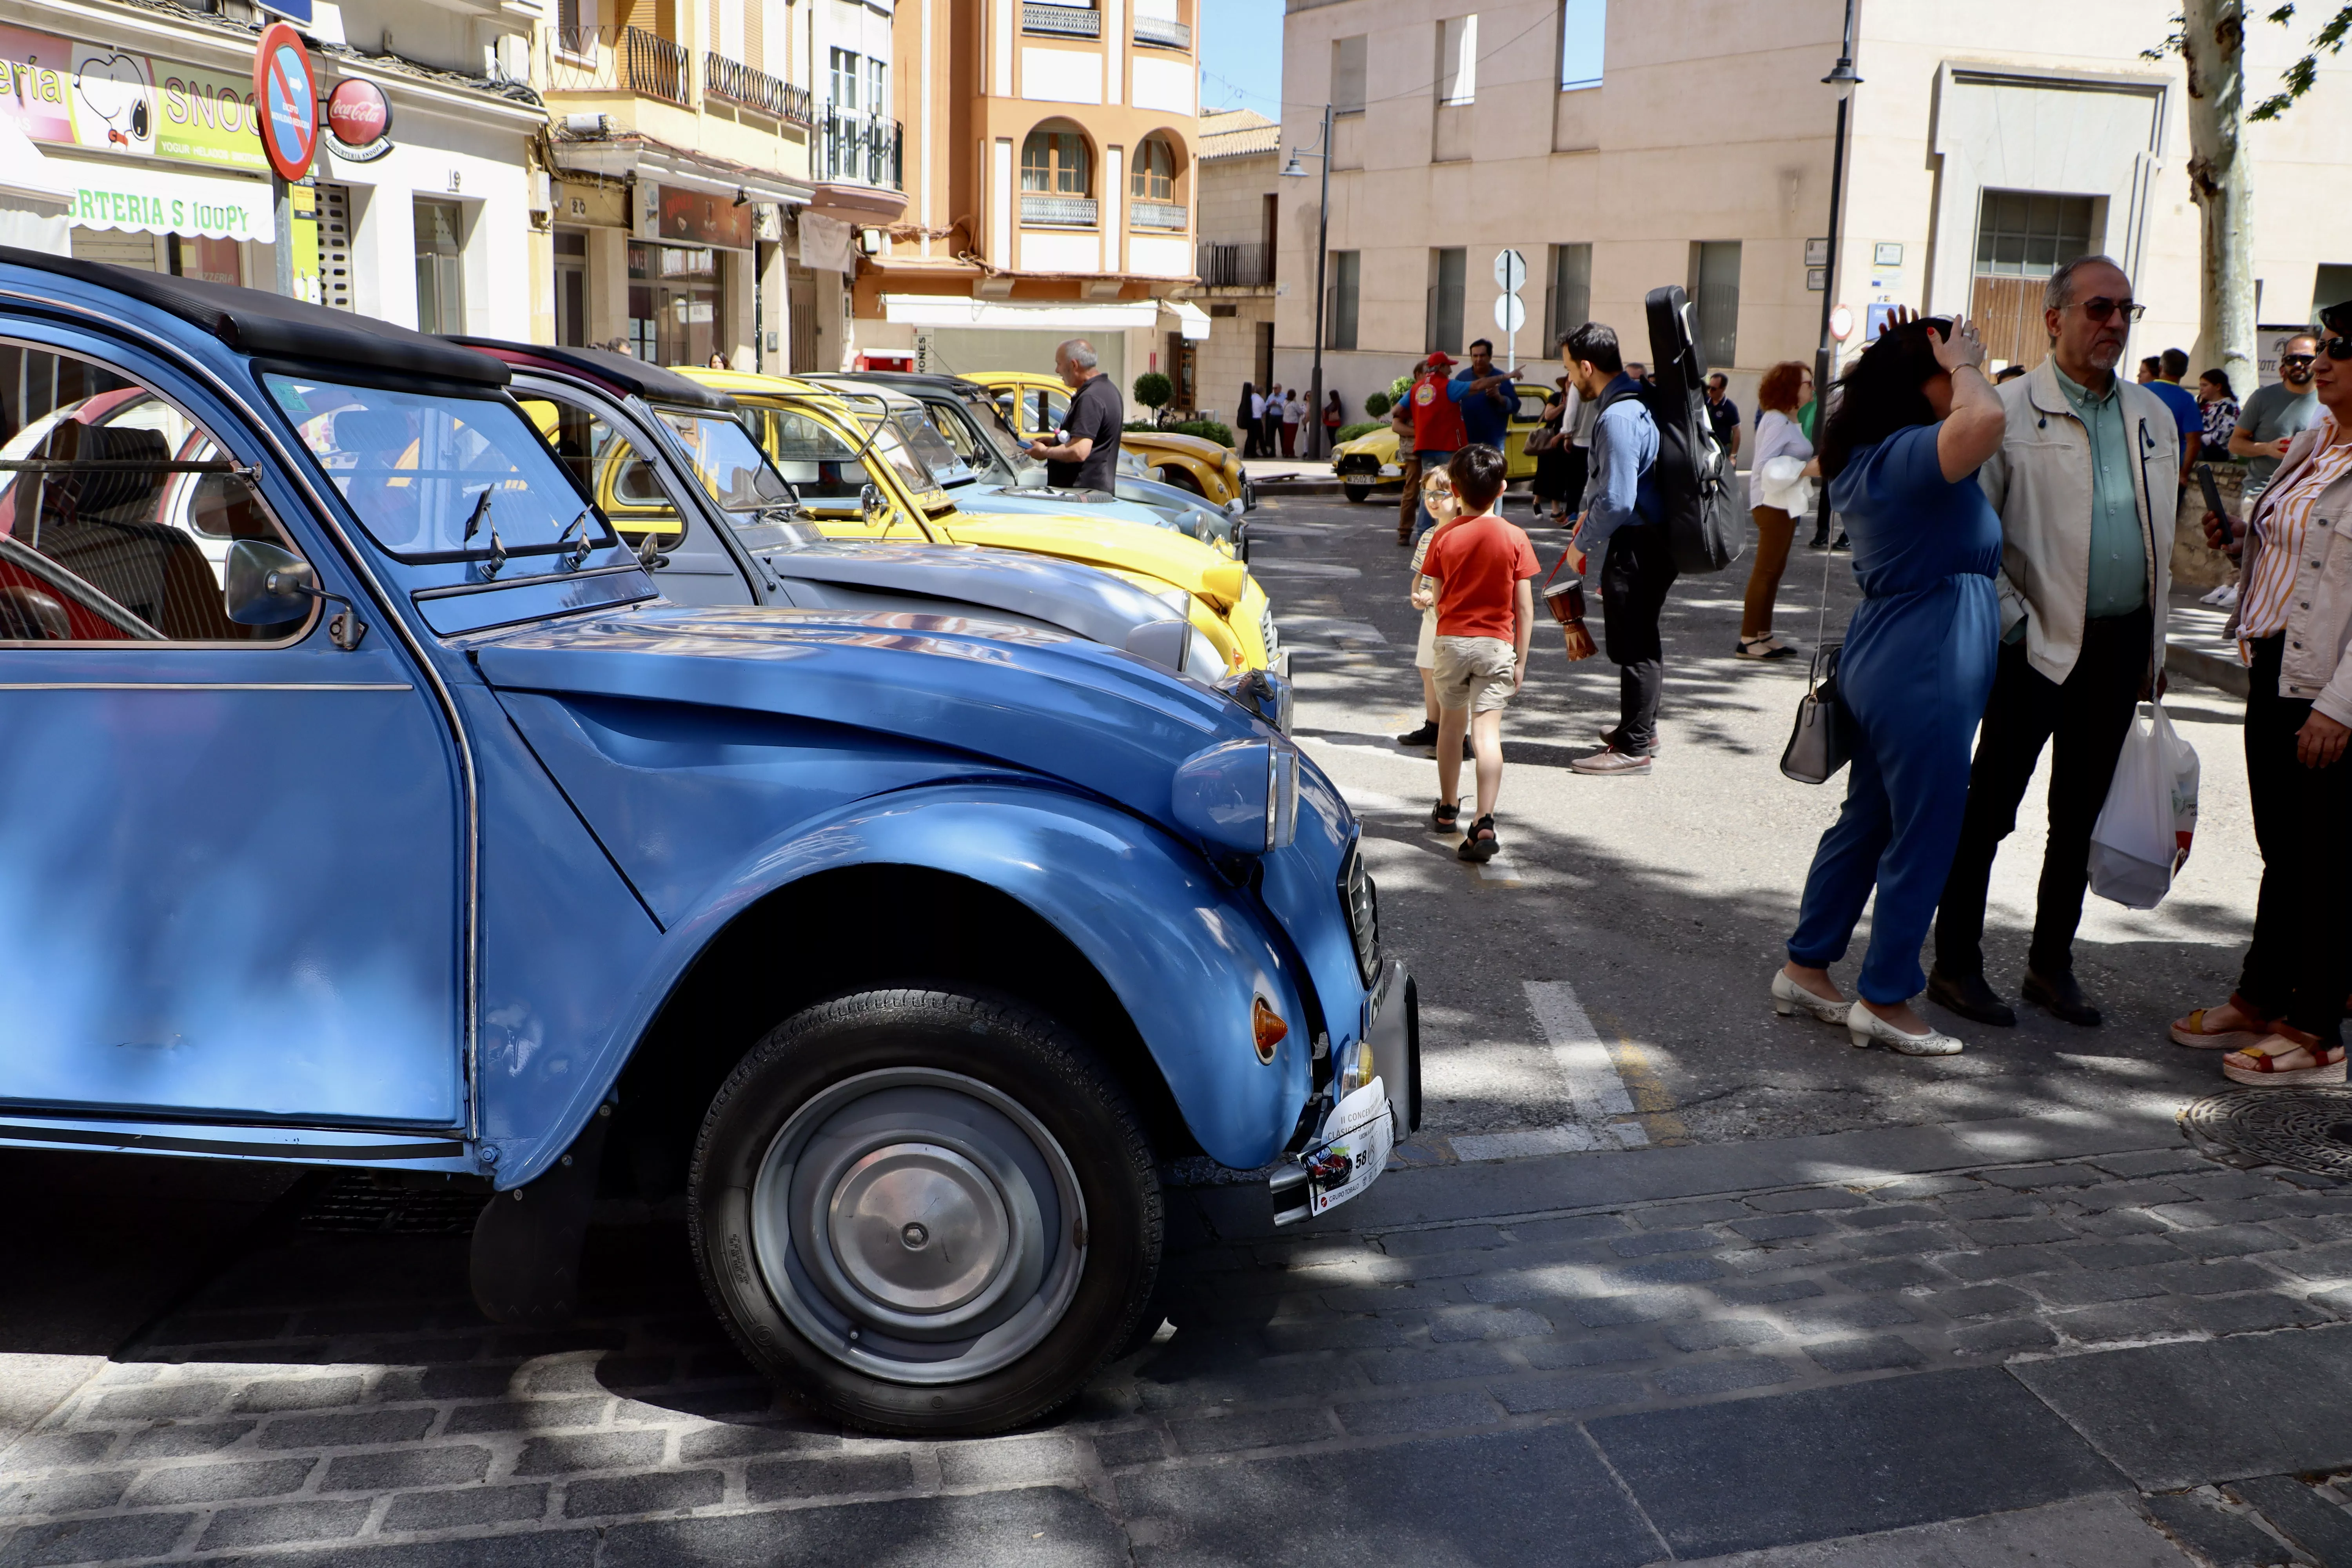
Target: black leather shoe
{"type": "Point", "coordinates": [1971, 998]}
{"type": "Point", "coordinates": [2062, 995]}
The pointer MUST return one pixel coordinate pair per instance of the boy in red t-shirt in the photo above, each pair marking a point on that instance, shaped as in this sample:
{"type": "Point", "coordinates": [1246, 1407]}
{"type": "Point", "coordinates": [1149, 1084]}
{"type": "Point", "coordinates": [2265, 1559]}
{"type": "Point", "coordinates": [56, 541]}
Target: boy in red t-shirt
{"type": "Point", "coordinates": [1484, 569]}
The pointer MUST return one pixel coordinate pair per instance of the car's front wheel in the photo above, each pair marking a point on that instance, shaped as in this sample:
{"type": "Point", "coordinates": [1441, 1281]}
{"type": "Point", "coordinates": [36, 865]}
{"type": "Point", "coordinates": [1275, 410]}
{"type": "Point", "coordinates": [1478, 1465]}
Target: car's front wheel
{"type": "Point", "coordinates": [926, 1211]}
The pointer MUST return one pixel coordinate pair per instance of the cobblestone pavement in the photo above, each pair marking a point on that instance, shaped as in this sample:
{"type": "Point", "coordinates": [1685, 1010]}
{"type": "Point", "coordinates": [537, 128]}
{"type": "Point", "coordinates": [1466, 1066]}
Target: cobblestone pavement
{"type": "Point", "coordinates": [1662, 1381]}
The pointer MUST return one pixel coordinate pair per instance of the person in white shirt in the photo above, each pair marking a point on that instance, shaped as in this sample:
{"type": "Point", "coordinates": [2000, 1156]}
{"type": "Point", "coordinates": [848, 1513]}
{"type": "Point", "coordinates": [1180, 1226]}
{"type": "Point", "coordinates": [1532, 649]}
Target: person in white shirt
{"type": "Point", "coordinates": [1294, 409]}
{"type": "Point", "coordinates": [1783, 389]}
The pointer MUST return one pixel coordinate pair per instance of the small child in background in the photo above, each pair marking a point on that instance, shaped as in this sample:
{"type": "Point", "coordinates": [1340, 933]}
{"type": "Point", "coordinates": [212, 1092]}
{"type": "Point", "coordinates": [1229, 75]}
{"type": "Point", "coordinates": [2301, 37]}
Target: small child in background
{"type": "Point", "coordinates": [1485, 570]}
{"type": "Point", "coordinates": [1437, 495]}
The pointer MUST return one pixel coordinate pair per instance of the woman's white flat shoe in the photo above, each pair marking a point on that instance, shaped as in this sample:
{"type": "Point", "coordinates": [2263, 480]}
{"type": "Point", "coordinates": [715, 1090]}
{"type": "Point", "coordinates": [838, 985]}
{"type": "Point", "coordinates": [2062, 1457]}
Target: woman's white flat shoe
{"type": "Point", "coordinates": [1866, 1029]}
{"type": "Point", "coordinates": [1788, 999]}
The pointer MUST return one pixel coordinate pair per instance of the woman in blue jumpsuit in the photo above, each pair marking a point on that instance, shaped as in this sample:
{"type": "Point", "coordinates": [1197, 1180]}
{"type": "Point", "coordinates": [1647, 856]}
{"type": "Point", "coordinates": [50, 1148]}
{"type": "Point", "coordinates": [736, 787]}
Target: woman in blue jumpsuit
{"type": "Point", "coordinates": [1915, 419]}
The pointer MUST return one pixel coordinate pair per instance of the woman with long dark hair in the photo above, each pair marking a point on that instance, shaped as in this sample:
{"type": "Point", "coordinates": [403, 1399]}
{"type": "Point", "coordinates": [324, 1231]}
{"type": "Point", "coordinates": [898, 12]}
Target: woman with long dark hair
{"type": "Point", "coordinates": [1913, 420]}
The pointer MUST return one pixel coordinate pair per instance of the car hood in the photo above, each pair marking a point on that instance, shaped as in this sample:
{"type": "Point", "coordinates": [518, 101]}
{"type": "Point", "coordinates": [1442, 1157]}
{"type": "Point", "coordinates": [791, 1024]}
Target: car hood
{"type": "Point", "coordinates": [988, 496]}
{"type": "Point", "coordinates": [1206, 450]}
{"type": "Point", "coordinates": [1379, 444]}
{"type": "Point", "coordinates": [1102, 720]}
{"type": "Point", "coordinates": [1068, 593]}
{"type": "Point", "coordinates": [1161, 553]}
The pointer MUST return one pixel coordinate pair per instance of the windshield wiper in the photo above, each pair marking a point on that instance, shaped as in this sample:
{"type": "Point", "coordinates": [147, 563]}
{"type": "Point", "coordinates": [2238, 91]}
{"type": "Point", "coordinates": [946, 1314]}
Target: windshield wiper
{"type": "Point", "coordinates": [480, 514]}
{"type": "Point", "coordinates": [573, 557]}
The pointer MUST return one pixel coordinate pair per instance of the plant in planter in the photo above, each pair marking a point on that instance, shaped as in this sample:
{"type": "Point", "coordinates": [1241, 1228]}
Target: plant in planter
{"type": "Point", "coordinates": [1154, 390]}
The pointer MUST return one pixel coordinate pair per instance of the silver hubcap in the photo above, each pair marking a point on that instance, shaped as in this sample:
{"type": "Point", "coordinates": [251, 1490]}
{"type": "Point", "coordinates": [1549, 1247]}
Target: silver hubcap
{"type": "Point", "coordinates": [918, 1225]}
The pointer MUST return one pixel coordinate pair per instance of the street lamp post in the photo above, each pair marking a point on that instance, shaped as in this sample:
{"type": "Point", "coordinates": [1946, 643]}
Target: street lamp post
{"type": "Point", "coordinates": [1842, 78]}
{"type": "Point", "coordinates": [1321, 152]}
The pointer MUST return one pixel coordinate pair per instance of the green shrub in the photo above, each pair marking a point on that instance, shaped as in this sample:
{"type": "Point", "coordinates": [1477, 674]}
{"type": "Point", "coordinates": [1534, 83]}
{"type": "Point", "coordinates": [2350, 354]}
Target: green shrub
{"type": "Point", "coordinates": [1377, 404]}
{"type": "Point", "coordinates": [1140, 424]}
{"type": "Point", "coordinates": [1153, 390]}
{"type": "Point", "coordinates": [1398, 388]}
{"type": "Point", "coordinates": [1363, 427]}
{"type": "Point", "coordinates": [1207, 429]}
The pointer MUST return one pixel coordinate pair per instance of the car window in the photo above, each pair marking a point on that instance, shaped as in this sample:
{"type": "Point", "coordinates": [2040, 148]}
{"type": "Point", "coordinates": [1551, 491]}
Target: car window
{"type": "Point", "coordinates": [431, 475]}
{"type": "Point", "coordinates": [1531, 405]}
{"type": "Point", "coordinates": [811, 456]}
{"type": "Point", "coordinates": [117, 512]}
{"type": "Point", "coordinates": [607, 465]}
{"type": "Point", "coordinates": [729, 464]}
{"type": "Point", "coordinates": [1046, 412]}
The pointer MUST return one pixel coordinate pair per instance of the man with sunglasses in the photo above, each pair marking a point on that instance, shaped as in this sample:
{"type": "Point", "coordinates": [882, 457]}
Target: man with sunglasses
{"type": "Point", "coordinates": [2084, 485]}
{"type": "Point", "coordinates": [2275, 414]}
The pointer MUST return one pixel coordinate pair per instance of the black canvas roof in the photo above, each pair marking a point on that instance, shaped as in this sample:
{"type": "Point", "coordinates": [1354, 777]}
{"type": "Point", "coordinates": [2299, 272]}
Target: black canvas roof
{"type": "Point", "coordinates": [271, 326]}
{"type": "Point", "coordinates": [653, 383]}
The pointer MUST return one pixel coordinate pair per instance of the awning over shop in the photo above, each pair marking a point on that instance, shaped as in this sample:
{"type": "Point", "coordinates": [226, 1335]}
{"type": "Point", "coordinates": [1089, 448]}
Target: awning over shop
{"type": "Point", "coordinates": [1194, 320]}
{"type": "Point", "coordinates": [26, 170]}
{"type": "Point", "coordinates": [164, 201]}
{"type": "Point", "coordinates": [956, 310]}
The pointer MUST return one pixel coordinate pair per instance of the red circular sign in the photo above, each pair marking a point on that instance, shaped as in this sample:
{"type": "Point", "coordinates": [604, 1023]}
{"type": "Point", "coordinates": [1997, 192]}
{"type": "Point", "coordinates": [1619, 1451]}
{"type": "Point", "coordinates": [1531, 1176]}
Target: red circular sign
{"type": "Point", "coordinates": [286, 93]}
{"type": "Point", "coordinates": [358, 112]}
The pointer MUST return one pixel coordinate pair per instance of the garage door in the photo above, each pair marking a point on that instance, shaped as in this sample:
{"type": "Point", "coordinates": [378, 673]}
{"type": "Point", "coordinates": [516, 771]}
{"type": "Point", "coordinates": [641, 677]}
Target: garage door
{"type": "Point", "coordinates": [114, 246]}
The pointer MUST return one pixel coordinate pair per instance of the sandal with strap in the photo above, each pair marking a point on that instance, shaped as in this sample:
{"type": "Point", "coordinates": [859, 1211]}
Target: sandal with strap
{"type": "Point", "coordinates": [2259, 1064]}
{"type": "Point", "coordinates": [1445, 817]}
{"type": "Point", "coordinates": [1480, 844]}
{"type": "Point", "coordinates": [2199, 1034]}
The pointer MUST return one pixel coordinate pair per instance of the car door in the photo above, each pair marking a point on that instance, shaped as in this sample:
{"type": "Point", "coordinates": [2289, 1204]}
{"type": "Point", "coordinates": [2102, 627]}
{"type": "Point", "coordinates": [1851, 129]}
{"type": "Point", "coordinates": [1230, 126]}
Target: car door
{"type": "Point", "coordinates": [236, 886]}
{"type": "Point", "coordinates": [616, 464]}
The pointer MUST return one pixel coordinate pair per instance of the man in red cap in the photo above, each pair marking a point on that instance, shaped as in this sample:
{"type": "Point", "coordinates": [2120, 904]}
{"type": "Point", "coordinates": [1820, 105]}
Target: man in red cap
{"type": "Point", "coordinates": [1438, 430]}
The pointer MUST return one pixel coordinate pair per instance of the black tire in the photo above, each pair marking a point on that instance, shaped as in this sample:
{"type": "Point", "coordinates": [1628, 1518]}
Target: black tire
{"type": "Point", "coordinates": [1357, 492]}
{"type": "Point", "coordinates": [901, 1075]}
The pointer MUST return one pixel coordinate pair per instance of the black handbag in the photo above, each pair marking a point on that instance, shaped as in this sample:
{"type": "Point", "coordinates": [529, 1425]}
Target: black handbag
{"type": "Point", "coordinates": [1817, 742]}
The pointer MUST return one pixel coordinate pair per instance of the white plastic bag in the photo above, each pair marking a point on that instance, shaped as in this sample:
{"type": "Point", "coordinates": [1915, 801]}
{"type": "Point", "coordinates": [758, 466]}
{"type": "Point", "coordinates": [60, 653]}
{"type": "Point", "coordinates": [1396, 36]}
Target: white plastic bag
{"type": "Point", "coordinates": [1782, 482]}
{"type": "Point", "coordinates": [2150, 816]}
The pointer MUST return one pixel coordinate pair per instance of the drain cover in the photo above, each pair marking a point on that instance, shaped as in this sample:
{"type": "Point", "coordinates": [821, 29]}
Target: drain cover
{"type": "Point", "coordinates": [357, 1201]}
{"type": "Point", "coordinates": [2301, 1129]}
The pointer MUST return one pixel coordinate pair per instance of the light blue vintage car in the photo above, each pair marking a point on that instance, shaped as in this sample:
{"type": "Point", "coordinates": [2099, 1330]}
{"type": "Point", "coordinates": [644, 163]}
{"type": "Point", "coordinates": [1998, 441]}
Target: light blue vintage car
{"type": "Point", "coordinates": [370, 807]}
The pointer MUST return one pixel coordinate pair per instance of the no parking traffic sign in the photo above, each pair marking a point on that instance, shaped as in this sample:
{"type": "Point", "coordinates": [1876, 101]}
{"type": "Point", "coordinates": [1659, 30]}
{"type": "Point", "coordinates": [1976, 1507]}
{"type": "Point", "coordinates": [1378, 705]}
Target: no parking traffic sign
{"type": "Point", "coordinates": [289, 96]}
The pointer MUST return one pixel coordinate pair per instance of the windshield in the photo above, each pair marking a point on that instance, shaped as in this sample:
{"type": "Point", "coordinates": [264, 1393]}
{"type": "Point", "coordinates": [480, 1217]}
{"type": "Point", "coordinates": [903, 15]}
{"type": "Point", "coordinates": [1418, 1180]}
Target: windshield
{"type": "Point", "coordinates": [430, 476]}
{"type": "Point", "coordinates": [890, 446]}
{"type": "Point", "coordinates": [728, 462]}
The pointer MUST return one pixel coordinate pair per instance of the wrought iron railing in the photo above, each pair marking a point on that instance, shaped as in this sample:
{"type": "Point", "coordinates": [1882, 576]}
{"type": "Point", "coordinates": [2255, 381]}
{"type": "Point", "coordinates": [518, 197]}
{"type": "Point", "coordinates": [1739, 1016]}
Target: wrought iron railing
{"type": "Point", "coordinates": [1248, 265]}
{"type": "Point", "coordinates": [739, 83]}
{"type": "Point", "coordinates": [864, 150]}
{"type": "Point", "coordinates": [1156, 214]}
{"type": "Point", "coordinates": [1068, 21]}
{"type": "Point", "coordinates": [1046, 209]}
{"type": "Point", "coordinates": [619, 59]}
{"type": "Point", "coordinates": [1162, 31]}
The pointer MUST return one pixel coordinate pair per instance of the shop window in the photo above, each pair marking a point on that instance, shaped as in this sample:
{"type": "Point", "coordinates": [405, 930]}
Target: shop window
{"type": "Point", "coordinates": [440, 268]}
{"type": "Point", "coordinates": [1154, 178]}
{"type": "Point", "coordinates": [1056, 162]}
{"type": "Point", "coordinates": [674, 303]}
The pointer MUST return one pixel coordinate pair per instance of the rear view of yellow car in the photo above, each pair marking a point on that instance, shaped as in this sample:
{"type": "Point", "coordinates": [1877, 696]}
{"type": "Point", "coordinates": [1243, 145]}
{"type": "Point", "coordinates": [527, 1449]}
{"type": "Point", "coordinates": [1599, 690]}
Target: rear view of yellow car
{"type": "Point", "coordinates": [1379, 457]}
{"type": "Point", "coordinates": [1039, 405]}
{"type": "Point", "coordinates": [860, 477]}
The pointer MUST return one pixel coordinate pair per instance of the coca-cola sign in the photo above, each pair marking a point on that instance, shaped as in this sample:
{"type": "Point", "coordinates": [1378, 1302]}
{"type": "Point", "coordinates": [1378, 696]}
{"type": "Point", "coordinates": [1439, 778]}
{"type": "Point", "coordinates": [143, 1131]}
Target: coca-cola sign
{"type": "Point", "coordinates": [359, 116]}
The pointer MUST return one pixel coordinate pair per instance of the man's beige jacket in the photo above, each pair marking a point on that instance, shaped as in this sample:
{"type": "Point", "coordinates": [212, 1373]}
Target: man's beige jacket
{"type": "Point", "coordinates": [2039, 483]}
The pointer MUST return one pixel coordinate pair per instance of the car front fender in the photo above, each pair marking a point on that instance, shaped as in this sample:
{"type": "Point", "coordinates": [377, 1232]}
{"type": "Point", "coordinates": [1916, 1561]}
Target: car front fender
{"type": "Point", "coordinates": [1184, 953]}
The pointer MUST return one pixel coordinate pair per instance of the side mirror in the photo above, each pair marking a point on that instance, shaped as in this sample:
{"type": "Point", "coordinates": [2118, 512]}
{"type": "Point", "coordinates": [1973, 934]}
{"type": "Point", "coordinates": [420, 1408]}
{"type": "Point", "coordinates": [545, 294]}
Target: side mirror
{"type": "Point", "coordinates": [870, 504]}
{"type": "Point", "coordinates": [266, 585]}
{"type": "Point", "coordinates": [269, 586]}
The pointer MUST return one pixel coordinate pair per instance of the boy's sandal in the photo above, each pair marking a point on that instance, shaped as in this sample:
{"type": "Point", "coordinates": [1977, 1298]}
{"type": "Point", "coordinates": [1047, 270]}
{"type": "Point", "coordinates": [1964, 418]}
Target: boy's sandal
{"type": "Point", "coordinates": [2198, 1034]}
{"type": "Point", "coordinates": [1480, 844]}
{"type": "Point", "coordinates": [2260, 1064]}
{"type": "Point", "coordinates": [1444, 818]}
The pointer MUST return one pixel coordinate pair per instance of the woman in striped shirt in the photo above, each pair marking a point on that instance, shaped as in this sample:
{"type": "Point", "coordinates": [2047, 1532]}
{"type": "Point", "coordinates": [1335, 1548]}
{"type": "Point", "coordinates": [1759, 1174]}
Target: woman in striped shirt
{"type": "Point", "coordinates": [2285, 1023]}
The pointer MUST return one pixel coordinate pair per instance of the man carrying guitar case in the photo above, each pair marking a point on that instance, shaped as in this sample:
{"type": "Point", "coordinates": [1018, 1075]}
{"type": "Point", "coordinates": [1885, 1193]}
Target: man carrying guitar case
{"type": "Point", "coordinates": [1662, 501]}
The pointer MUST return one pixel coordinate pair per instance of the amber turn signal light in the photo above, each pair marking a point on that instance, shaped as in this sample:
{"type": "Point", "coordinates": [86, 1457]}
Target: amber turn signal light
{"type": "Point", "coordinates": [1266, 1028]}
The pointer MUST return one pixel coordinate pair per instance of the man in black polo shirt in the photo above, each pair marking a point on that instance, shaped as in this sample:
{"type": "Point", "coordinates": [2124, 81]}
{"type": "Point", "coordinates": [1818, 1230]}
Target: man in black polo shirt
{"type": "Point", "coordinates": [1086, 457]}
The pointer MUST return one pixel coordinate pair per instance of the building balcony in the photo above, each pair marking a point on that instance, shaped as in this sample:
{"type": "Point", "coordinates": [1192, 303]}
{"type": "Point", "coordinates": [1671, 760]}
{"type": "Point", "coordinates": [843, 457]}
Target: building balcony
{"type": "Point", "coordinates": [620, 59]}
{"type": "Point", "coordinates": [1062, 21]}
{"type": "Point", "coordinates": [1163, 32]}
{"type": "Point", "coordinates": [756, 89]}
{"type": "Point", "coordinates": [1156, 214]}
{"type": "Point", "coordinates": [1248, 264]}
{"type": "Point", "coordinates": [860, 150]}
{"type": "Point", "coordinates": [1042, 209]}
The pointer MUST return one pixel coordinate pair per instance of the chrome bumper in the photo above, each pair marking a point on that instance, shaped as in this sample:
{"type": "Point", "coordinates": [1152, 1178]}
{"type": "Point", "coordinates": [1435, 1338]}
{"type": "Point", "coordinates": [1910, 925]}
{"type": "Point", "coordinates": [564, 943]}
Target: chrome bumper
{"type": "Point", "coordinates": [1393, 1025]}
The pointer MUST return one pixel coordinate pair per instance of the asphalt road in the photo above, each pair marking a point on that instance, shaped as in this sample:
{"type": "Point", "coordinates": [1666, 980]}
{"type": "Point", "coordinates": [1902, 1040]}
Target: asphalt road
{"type": "Point", "coordinates": [1663, 902]}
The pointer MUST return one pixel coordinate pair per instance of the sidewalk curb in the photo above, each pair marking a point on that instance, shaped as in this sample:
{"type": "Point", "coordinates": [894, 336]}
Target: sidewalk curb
{"type": "Point", "coordinates": [2215, 669]}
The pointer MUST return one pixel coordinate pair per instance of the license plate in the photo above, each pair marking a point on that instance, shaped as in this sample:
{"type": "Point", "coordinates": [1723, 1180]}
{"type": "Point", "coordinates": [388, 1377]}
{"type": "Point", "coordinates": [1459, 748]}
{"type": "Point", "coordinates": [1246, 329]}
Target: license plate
{"type": "Point", "coordinates": [1353, 1150]}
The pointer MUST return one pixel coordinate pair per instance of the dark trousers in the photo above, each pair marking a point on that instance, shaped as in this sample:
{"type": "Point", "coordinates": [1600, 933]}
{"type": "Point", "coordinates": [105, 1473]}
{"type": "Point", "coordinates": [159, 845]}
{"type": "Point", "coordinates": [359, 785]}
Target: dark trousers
{"type": "Point", "coordinates": [1634, 576]}
{"type": "Point", "coordinates": [2085, 718]}
{"type": "Point", "coordinates": [2299, 966]}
